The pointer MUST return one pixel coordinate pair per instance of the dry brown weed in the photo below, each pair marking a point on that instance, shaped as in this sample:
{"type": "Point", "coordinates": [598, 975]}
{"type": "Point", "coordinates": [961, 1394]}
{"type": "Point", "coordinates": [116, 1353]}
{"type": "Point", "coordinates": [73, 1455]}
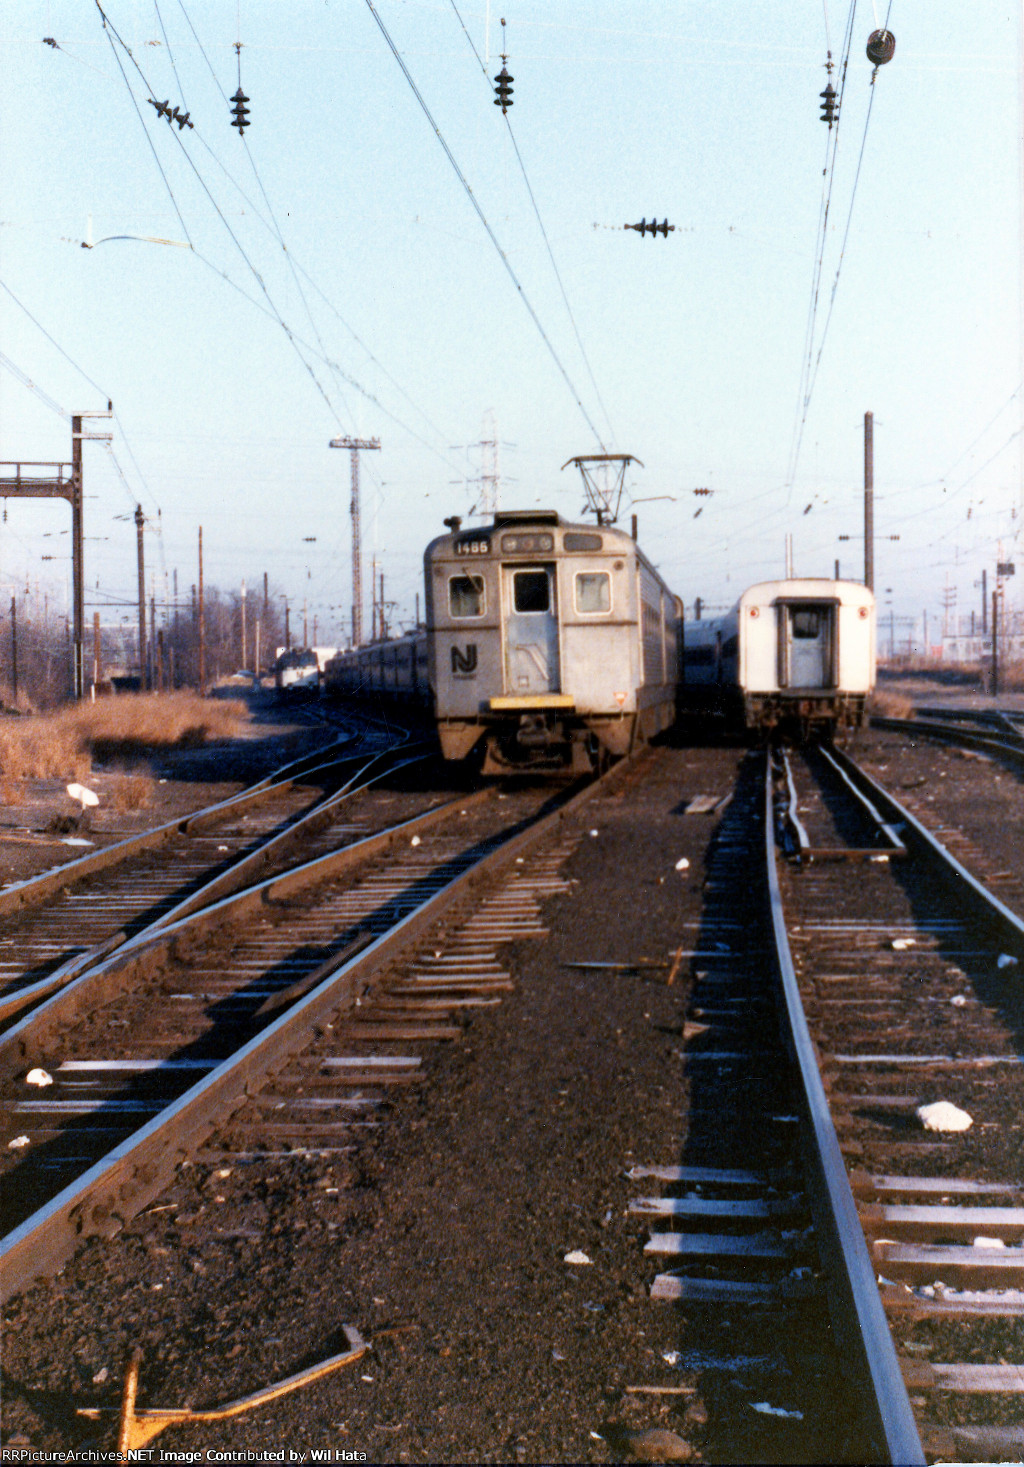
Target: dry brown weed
{"type": "Point", "coordinates": [130, 792]}
{"type": "Point", "coordinates": [131, 726]}
{"type": "Point", "coordinates": [890, 705]}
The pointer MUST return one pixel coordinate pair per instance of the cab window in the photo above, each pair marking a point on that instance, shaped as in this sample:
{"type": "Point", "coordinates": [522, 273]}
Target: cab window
{"type": "Point", "coordinates": [593, 591]}
{"type": "Point", "coordinates": [466, 596]}
{"type": "Point", "coordinates": [531, 591]}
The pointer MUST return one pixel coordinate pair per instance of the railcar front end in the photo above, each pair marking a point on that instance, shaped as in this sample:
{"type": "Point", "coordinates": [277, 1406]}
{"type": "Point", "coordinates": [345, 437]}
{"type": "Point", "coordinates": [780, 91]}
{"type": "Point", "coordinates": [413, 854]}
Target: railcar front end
{"type": "Point", "coordinates": [553, 644]}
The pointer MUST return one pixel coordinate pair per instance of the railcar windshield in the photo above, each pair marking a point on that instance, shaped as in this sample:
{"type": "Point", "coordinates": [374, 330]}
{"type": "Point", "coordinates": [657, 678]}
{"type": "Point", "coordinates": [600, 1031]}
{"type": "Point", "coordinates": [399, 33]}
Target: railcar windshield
{"type": "Point", "coordinates": [466, 596]}
{"type": "Point", "coordinates": [531, 590]}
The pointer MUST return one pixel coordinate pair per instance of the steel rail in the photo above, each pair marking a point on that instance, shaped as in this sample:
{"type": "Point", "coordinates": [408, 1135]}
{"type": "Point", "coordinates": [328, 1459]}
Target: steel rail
{"type": "Point", "coordinates": [896, 846]}
{"type": "Point", "coordinates": [856, 1307]}
{"type": "Point", "coordinates": [1008, 719]}
{"type": "Point", "coordinates": [130, 963]}
{"type": "Point", "coordinates": [809, 853]}
{"type": "Point", "coordinates": [137, 1170]}
{"type": "Point", "coordinates": [238, 870]}
{"type": "Point", "coordinates": [964, 884]}
{"type": "Point", "coordinates": [792, 811]}
{"type": "Point", "coordinates": [37, 888]}
{"type": "Point", "coordinates": [984, 743]}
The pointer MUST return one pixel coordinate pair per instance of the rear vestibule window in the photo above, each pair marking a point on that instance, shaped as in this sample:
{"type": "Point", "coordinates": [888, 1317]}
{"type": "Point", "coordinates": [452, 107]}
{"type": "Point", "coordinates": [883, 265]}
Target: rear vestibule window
{"type": "Point", "coordinates": [593, 591]}
{"type": "Point", "coordinates": [466, 595]}
{"type": "Point", "coordinates": [806, 624]}
{"type": "Point", "coordinates": [531, 591]}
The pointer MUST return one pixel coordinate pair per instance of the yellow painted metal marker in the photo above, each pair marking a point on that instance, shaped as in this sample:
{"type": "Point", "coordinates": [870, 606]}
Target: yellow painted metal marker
{"type": "Point", "coordinates": [136, 1428]}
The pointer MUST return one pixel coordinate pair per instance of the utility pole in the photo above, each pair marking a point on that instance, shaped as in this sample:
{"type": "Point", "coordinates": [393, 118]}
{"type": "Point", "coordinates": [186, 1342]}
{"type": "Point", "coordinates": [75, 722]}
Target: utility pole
{"type": "Point", "coordinates": [202, 622]}
{"type": "Point", "coordinates": [995, 643]}
{"type": "Point", "coordinates": [14, 649]}
{"type": "Point", "coordinates": [354, 445]}
{"type": "Point", "coordinates": [869, 501]}
{"type": "Point", "coordinates": [245, 648]}
{"type": "Point", "coordinates": [63, 481]}
{"type": "Point", "coordinates": [140, 520]}
{"type": "Point", "coordinates": [96, 650]}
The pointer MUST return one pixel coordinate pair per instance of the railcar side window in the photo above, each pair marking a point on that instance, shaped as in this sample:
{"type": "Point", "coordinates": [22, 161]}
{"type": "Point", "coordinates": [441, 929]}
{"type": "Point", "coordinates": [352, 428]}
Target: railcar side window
{"type": "Point", "coordinates": [466, 595]}
{"type": "Point", "coordinates": [531, 591]}
{"type": "Point", "coordinates": [593, 591]}
{"type": "Point", "coordinates": [806, 623]}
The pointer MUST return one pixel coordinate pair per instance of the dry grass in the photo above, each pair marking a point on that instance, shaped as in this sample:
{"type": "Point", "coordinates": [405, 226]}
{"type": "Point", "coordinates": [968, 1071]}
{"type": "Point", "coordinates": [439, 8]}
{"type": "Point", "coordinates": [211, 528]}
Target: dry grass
{"type": "Point", "coordinates": [1011, 677]}
{"type": "Point", "coordinates": [130, 792]}
{"type": "Point", "coordinates": [128, 728]}
{"type": "Point", "coordinates": [890, 705]}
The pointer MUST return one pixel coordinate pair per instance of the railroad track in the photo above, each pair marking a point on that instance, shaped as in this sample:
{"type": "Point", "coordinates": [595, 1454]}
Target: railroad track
{"type": "Point", "coordinates": [908, 977]}
{"type": "Point", "coordinates": [895, 991]}
{"type": "Point", "coordinates": [994, 733]}
{"type": "Point", "coordinates": [178, 1032]}
{"type": "Point", "coordinates": [55, 926]}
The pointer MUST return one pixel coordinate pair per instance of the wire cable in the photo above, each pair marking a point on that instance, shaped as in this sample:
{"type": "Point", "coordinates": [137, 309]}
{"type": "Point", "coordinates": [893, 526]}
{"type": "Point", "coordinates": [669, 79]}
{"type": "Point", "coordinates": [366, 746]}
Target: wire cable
{"type": "Point", "coordinates": [480, 215]}
{"type": "Point", "coordinates": [846, 236]}
{"type": "Point", "coordinates": [27, 381]}
{"type": "Point", "coordinates": [112, 31]}
{"type": "Point", "coordinates": [544, 233]}
{"type": "Point", "coordinates": [53, 342]}
{"type": "Point", "coordinates": [805, 390]}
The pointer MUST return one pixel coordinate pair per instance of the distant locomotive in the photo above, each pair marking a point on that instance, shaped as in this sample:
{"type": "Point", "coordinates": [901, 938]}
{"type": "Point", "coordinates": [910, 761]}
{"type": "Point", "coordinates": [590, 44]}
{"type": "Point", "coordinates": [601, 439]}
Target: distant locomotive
{"type": "Point", "coordinates": [548, 645]}
{"type": "Point", "coordinates": [297, 673]}
{"type": "Point", "coordinates": [796, 655]}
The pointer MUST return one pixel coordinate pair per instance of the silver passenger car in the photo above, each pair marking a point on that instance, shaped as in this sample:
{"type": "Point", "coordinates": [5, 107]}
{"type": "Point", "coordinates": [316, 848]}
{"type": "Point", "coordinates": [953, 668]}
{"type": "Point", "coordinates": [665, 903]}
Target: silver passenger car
{"type": "Point", "coordinates": [797, 653]}
{"type": "Point", "coordinates": [553, 644]}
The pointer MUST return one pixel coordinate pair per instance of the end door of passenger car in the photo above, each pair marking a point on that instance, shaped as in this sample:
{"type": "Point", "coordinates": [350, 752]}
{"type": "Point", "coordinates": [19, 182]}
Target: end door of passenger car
{"type": "Point", "coordinates": [807, 637]}
{"type": "Point", "coordinates": [531, 629]}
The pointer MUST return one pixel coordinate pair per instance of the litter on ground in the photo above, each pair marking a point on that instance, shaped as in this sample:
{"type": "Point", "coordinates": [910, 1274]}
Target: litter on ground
{"type": "Point", "coordinates": [942, 1116]}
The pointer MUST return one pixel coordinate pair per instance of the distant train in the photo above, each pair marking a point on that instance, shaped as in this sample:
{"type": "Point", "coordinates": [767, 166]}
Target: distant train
{"type": "Point", "coordinates": [548, 645]}
{"type": "Point", "coordinates": [297, 673]}
{"type": "Point", "coordinates": [794, 655]}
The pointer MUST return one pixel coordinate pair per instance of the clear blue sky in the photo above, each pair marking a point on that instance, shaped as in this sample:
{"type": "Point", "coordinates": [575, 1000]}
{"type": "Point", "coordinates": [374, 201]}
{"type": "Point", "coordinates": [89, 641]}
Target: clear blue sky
{"type": "Point", "coordinates": [704, 113]}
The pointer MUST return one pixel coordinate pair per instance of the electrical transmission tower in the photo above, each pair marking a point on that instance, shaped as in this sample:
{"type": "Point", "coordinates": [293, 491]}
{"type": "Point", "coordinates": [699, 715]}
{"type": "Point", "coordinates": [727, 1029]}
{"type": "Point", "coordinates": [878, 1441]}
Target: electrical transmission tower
{"type": "Point", "coordinates": [488, 481]}
{"type": "Point", "coordinates": [354, 445]}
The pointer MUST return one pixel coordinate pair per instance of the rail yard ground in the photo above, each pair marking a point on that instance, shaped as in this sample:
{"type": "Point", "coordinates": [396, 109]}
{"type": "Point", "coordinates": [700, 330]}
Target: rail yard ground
{"type": "Point", "coordinates": [141, 783]}
{"type": "Point", "coordinates": [442, 1233]}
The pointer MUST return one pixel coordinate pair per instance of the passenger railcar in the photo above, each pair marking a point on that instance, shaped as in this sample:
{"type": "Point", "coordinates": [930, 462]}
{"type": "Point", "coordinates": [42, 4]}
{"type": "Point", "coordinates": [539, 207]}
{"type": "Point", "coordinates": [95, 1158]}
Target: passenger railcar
{"type": "Point", "coordinates": [792, 654]}
{"type": "Point", "coordinates": [548, 645]}
{"type": "Point", "coordinates": [396, 668]}
{"type": "Point", "coordinates": [550, 642]}
{"type": "Point", "coordinates": [297, 673]}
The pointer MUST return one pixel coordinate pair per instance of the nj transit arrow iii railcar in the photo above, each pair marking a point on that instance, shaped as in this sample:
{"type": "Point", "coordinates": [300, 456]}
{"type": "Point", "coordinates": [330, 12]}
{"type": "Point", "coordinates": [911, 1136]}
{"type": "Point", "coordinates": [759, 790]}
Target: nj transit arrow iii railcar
{"type": "Point", "coordinates": [794, 655]}
{"type": "Point", "coordinates": [548, 645]}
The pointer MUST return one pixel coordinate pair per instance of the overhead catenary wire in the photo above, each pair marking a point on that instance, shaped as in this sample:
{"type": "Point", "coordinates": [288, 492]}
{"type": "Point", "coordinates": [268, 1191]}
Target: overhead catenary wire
{"type": "Point", "coordinates": [270, 224]}
{"type": "Point", "coordinates": [275, 227]}
{"type": "Point", "coordinates": [481, 216]}
{"type": "Point", "coordinates": [543, 230]}
{"type": "Point", "coordinates": [112, 33]}
{"type": "Point", "coordinates": [95, 385]}
{"type": "Point", "coordinates": [846, 236]}
{"type": "Point", "coordinates": [806, 388]}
